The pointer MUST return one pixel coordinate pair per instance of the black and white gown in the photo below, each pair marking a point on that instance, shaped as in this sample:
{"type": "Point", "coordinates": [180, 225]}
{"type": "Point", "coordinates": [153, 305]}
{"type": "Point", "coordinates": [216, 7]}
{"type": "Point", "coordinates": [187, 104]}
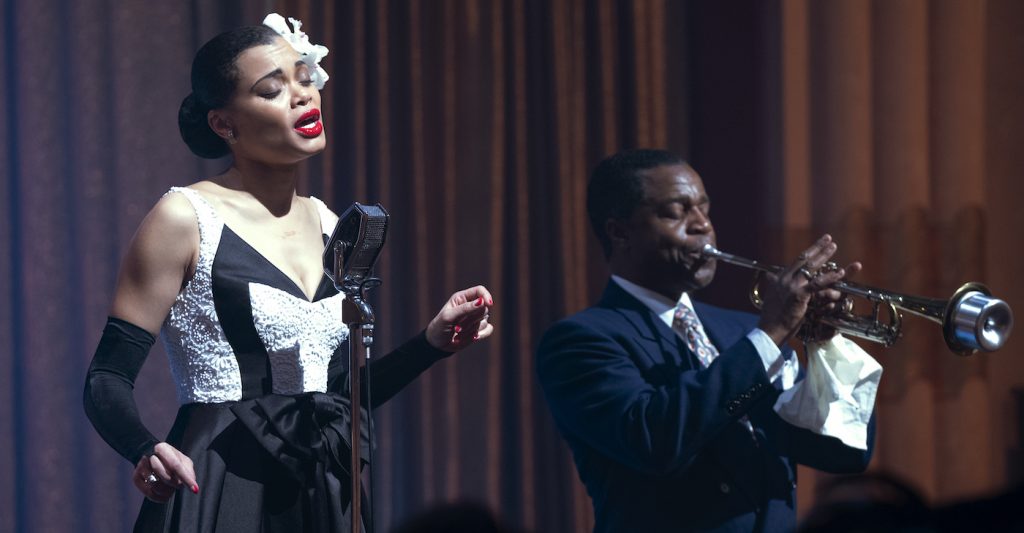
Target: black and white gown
{"type": "Point", "coordinates": [262, 383]}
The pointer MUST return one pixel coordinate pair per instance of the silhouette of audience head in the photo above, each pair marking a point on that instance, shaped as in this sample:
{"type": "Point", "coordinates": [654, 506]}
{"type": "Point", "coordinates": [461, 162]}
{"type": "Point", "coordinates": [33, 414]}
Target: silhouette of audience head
{"type": "Point", "coordinates": [462, 517]}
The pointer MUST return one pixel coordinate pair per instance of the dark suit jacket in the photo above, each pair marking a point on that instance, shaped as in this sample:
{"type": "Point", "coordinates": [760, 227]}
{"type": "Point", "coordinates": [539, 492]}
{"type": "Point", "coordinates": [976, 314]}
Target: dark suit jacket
{"type": "Point", "coordinates": [657, 440]}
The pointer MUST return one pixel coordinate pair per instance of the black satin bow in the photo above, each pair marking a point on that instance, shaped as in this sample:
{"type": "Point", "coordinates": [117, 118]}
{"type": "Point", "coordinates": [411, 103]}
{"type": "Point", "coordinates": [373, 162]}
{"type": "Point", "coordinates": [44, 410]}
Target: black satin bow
{"type": "Point", "coordinates": [305, 433]}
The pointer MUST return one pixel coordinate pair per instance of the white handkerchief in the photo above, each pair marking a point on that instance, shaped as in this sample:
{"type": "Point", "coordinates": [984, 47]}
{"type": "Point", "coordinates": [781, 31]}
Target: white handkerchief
{"type": "Point", "coordinates": [837, 396]}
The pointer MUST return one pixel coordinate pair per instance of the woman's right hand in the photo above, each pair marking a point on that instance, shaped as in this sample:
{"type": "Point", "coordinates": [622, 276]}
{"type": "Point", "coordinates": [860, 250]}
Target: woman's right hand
{"type": "Point", "coordinates": [171, 470]}
{"type": "Point", "coordinates": [462, 321]}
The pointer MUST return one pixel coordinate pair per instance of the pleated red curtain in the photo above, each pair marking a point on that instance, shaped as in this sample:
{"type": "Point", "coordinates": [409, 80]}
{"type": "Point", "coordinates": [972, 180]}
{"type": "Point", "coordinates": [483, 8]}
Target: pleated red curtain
{"type": "Point", "coordinates": [896, 136]}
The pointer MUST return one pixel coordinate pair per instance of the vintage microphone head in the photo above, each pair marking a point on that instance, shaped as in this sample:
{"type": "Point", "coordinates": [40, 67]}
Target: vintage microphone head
{"type": "Point", "coordinates": [354, 246]}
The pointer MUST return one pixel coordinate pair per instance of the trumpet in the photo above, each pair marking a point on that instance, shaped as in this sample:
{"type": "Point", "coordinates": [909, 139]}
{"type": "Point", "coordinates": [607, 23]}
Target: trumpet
{"type": "Point", "coordinates": [971, 319]}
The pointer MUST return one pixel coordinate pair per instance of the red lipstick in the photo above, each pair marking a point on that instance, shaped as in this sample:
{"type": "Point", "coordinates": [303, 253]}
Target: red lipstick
{"type": "Point", "coordinates": [309, 124]}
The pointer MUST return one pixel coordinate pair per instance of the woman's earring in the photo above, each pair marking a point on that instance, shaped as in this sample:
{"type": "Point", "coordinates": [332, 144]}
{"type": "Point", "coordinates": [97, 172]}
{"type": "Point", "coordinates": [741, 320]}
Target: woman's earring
{"type": "Point", "coordinates": [231, 137]}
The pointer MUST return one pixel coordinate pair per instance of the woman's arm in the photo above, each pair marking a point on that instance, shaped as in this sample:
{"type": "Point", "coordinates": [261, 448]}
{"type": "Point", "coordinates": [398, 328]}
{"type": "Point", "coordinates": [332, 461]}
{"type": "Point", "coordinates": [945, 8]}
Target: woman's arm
{"type": "Point", "coordinates": [161, 257]}
{"type": "Point", "coordinates": [462, 321]}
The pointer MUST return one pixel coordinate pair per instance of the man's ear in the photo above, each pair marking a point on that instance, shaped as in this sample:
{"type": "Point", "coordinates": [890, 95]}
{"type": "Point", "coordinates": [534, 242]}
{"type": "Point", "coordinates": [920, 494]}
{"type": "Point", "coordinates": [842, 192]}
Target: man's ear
{"type": "Point", "coordinates": [221, 124]}
{"type": "Point", "coordinates": [618, 233]}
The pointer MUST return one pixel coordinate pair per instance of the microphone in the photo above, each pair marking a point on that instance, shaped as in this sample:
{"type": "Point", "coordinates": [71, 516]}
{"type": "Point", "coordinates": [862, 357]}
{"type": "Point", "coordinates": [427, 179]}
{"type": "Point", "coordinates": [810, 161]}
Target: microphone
{"type": "Point", "coordinates": [348, 260]}
{"type": "Point", "coordinates": [354, 246]}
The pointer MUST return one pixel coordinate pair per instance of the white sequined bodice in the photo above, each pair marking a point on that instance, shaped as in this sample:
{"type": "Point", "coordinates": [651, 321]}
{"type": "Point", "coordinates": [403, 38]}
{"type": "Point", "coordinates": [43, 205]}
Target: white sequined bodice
{"type": "Point", "coordinates": [299, 336]}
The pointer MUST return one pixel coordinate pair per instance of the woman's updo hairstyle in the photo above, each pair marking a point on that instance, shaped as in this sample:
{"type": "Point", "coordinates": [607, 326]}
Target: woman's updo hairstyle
{"type": "Point", "coordinates": [214, 77]}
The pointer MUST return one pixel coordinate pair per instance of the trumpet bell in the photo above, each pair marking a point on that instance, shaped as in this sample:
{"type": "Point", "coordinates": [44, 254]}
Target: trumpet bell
{"type": "Point", "coordinates": [975, 321]}
{"type": "Point", "coordinates": [972, 320]}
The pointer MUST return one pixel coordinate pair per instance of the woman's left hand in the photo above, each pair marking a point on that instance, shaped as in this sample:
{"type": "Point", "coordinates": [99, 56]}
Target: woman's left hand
{"type": "Point", "coordinates": [462, 321]}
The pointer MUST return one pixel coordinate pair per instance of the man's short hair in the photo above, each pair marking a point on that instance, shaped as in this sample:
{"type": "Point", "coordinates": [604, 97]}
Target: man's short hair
{"type": "Point", "coordinates": [616, 188]}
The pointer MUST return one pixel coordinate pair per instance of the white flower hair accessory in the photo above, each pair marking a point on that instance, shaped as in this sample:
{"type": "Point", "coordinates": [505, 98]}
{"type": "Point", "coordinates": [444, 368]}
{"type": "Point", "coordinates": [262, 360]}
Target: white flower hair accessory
{"type": "Point", "coordinates": [311, 53]}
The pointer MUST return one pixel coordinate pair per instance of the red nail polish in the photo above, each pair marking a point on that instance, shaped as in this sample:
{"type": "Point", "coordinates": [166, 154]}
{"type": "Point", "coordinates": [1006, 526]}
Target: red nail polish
{"type": "Point", "coordinates": [490, 301]}
{"type": "Point", "coordinates": [195, 489]}
{"type": "Point", "coordinates": [458, 329]}
{"type": "Point", "coordinates": [479, 301]}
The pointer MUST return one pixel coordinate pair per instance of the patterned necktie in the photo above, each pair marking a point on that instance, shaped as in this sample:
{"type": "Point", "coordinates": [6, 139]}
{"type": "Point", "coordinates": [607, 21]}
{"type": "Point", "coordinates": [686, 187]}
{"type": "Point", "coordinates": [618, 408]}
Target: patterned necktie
{"type": "Point", "coordinates": [685, 322]}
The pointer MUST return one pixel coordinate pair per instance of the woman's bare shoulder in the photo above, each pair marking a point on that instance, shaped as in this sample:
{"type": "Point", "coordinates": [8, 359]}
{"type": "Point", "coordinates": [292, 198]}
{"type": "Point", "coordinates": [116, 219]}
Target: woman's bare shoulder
{"type": "Point", "coordinates": [207, 186]}
{"type": "Point", "coordinates": [210, 190]}
{"type": "Point", "coordinates": [171, 219]}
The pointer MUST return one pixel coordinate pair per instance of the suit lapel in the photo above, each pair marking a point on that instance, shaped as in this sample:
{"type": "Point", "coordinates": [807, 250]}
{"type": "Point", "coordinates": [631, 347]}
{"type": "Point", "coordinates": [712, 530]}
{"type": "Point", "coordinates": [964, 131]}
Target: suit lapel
{"type": "Point", "coordinates": [722, 333]}
{"type": "Point", "coordinates": [662, 340]}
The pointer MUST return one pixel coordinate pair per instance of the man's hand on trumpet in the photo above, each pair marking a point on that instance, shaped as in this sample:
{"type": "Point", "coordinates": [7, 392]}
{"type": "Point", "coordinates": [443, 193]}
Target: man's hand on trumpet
{"type": "Point", "coordinates": [803, 288]}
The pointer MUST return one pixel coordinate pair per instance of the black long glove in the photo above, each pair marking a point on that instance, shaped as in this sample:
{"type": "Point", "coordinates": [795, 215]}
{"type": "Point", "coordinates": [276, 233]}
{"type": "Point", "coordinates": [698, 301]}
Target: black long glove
{"type": "Point", "coordinates": [109, 402]}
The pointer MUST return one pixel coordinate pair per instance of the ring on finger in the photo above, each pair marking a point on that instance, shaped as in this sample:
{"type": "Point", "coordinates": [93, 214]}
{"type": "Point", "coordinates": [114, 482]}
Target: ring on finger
{"type": "Point", "coordinates": [806, 273]}
{"type": "Point", "coordinates": [150, 479]}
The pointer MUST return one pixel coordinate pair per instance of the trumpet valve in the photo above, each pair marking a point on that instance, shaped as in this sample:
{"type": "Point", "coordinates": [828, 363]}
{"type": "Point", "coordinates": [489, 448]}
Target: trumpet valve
{"type": "Point", "coordinates": [846, 306]}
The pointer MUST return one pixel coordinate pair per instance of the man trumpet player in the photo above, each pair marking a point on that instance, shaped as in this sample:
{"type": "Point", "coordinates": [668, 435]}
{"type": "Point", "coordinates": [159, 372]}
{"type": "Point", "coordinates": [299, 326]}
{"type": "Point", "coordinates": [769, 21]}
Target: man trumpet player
{"type": "Point", "coordinates": [682, 416]}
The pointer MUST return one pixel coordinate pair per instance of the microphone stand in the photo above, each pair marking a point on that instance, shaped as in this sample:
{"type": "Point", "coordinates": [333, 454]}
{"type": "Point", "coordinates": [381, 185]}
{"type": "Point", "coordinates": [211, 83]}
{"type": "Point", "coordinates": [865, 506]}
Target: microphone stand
{"type": "Point", "coordinates": [358, 315]}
